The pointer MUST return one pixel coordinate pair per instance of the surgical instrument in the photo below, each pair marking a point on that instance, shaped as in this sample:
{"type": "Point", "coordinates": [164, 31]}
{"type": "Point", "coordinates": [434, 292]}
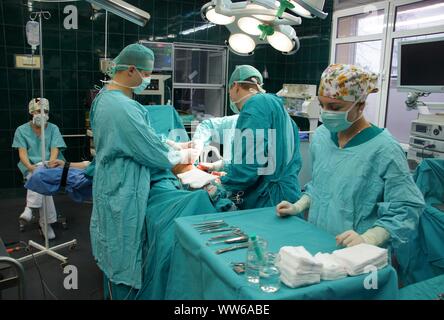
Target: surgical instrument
{"type": "Point", "coordinates": [236, 232]}
{"type": "Point", "coordinates": [239, 246]}
{"type": "Point", "coordinates": [216, 226]}
{"type": "Point", "coordinates": [208, 222]}
{"type": "Point", "coordinates": [218, 230]}
{"type": "Point", "coordinates": [240, 239]}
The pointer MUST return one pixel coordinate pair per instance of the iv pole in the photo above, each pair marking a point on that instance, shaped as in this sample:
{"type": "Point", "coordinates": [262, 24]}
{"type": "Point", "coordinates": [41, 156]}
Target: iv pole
{"type": "Point", "coordinates": [45, 249]}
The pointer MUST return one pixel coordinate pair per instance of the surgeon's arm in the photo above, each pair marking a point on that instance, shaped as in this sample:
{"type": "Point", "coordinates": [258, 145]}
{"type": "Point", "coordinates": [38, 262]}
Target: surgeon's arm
{"type": "Point", "coordinates": [140, 142]}
{"type": "Point", "coordinates": [402, 204]}
{"type": "Point", "coordinates": [23, 155]}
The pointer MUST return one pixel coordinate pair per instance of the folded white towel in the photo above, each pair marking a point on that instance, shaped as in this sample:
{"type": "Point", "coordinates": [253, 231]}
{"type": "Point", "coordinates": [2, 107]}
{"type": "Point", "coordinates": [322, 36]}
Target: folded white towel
{"type": "Point", "coordinates": [332, 269]}
{"type": "Point", "coordinates": [295, 283]}
{"type": "Point", "coordinates": [196, 178]}
{"type": "Point", "coordinates": [299, 257]}
{"type": "Point", "coordinates": [355, 259]}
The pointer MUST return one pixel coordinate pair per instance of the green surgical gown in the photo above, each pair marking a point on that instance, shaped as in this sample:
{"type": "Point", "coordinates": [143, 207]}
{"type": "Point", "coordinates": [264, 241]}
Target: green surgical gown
{"type": "Point", "coordinates": [127, 150]}
{"type": "Point", "coordinates": [25, 137]}
{"type": "Point", "coordinates": [363, 186]}
{"type": "Point", "coordinates": [280, 181]}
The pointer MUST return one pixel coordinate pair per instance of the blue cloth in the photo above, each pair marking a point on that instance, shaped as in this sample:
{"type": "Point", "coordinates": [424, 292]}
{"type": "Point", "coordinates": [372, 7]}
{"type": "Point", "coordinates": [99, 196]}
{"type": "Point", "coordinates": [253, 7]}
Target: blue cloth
{"type": "Point", "coordinates": [424, 290]}
{"type": "Point", "coordinates": [25, 137]}
{"type": "Point", "coordinates": [127, 149]}
{"type": "Point", "coordinates": [260, 113]}
{"type": "Point", "coordinates": [423, 258]}
{"type": "Point", "coordinates": [46, 181]}
{"type": "Point", "coordinates": [164, 119]}
{"type": "Point", "coordinates": [166, 203]}
{"type": "Point", "coordinates": [362, 187]}
{"type": "Point", "coordinates": [196, 272]}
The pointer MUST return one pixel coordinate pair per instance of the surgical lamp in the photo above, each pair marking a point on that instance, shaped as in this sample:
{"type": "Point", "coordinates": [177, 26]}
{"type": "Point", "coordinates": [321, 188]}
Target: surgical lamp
{"type": "Point", "coordinates": [123, 10]}
{"type": "Point", "coordinates": [255, 22]}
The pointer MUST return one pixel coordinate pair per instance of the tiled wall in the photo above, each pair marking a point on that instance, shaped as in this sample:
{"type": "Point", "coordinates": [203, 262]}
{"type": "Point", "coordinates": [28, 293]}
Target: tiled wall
{"type": "Point", "coordinates": [72, 56]}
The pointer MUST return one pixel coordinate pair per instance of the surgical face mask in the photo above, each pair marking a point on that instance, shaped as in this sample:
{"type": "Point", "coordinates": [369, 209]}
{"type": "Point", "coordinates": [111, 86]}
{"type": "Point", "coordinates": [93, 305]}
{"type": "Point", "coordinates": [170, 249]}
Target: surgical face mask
{"type": "Point", "coordinates": [233, 104]}
{"type": "Point", "coordinates": [137, 89]}
{"type": "Point", "coordinates": [37, 119]}
{"type": "Point", "coordinates": [337, 121]}
{"type": "Point", "coordinates": [142, 86]}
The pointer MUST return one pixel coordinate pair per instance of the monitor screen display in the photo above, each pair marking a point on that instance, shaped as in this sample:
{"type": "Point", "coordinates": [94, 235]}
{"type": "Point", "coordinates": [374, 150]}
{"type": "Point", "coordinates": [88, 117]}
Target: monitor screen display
{"type": "Point", "coordinates": [422, 64]}
{"type": "Point", "coordinates": [163, 55]}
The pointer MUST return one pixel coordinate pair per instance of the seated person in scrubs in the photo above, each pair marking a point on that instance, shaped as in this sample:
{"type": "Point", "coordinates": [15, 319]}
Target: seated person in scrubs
{"type": "Point", "coordinates": [128, 151]}
{"type": "Point", "coordinates": [28, 142]}
{"type": "Point", "coordinates": [361, 189]}
{"type": "Point", "coordinates": [264, 170]}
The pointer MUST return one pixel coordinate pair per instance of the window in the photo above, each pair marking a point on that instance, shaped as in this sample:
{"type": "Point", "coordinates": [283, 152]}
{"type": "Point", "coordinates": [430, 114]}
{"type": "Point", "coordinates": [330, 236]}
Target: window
{"type": "Point", "coordinates": [359, 34]}
{"type": "Point", "coordinates": [369, 36]}
{"type": "Point", "coordinates": [423, 14]}
{"type": "Point", "coordinates": [361, 24]}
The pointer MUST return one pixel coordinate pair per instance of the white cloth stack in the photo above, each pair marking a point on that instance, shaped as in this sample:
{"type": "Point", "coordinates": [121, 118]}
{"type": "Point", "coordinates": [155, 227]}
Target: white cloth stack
{"type": "Point", "coordinates": [332, 269]}
{"type": "Point", "coordinates": [355, 259]}
{"type": "Point", "coordinates": [298, 267]}
{"type": "Point", "coordinates": [196, 178]}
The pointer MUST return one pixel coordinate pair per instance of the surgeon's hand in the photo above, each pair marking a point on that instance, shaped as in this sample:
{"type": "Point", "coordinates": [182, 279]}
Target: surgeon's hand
{"type": "Point", "coordinates": [32, 168]}
{"type": "Point", "coordinates": [211, 166]}
{"type": "Point", "coordinates": [189, 156]}
{"type": "Point", "coordinates": [56, 163]}
{"type": "Point", "coordinates": [182, 168]}
{"type": "Point", "coordinates": [286, 208]}
{"type": "Point", "coordinates": [349, 238]}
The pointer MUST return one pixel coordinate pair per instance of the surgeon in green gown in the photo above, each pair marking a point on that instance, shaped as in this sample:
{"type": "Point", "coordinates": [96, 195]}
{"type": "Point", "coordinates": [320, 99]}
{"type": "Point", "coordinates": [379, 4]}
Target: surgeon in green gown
{"type": "Point", "coordinates": [361, 189]}
{"type": "Point", "coordinates": [264, 161]}
{"type": "Point", "coordinates": [127, 152]}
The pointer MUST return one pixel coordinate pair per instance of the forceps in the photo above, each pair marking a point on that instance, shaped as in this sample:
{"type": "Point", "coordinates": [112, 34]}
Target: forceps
{"type": "Point", "coordinates": [234, 233]}
{"type": "Point", "coordinates": [240, 239]}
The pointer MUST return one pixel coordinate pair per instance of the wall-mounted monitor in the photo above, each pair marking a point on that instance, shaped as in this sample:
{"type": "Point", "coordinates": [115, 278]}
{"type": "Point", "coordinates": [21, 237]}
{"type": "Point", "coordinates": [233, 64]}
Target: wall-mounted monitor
{"type": "Point", "coordinates": [163, 55]}
{"type": "Point", "coordinates": [421, 65]}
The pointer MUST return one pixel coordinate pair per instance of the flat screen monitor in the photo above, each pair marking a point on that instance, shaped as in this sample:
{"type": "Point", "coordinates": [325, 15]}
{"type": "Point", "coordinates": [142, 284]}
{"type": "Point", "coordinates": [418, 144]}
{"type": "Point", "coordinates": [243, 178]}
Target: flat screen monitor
{"type": "Point", "coordinates": [421, 65]}
{"type": "Point", "coordinates": [163, 55]}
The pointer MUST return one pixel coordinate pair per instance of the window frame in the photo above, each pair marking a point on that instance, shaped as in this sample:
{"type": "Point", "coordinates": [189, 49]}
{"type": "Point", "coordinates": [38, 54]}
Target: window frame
{"type": "Point", "coordinates": [387, 37]}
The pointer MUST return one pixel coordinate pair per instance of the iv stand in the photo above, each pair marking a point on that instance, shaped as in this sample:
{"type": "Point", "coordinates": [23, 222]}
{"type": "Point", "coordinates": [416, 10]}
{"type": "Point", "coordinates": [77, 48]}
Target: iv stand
{"type": "Point", "coordinates": [45, 249]}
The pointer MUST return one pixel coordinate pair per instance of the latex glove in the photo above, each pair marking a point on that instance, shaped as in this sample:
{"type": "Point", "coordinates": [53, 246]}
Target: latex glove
{"type": "Point", "coordinates": [349, 238]}
{"type": "Point", "coordinates": [179, 145]}
{"type": "Point", "coordinates": [32, 168]}
{"type": "Point", "coordinates": [213, 166]}
{"type": "Point", "coordinates": [376, 236]}
{"type": "Point", "coordinates": [286, 208]}
{"type": "Point", "coordinates": [188, 156]}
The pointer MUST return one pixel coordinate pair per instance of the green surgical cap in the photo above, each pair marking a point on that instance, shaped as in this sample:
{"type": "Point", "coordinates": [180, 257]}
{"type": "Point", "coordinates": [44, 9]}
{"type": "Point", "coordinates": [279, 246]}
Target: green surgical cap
{"type": "Point", "coordinates": [245, 72]}
{"type": "Point", "coordinates": [133, 55]}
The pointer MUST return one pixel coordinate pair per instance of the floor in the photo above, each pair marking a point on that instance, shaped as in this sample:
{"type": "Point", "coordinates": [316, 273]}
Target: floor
{"type": "Point", "coordinates": [78, 217]}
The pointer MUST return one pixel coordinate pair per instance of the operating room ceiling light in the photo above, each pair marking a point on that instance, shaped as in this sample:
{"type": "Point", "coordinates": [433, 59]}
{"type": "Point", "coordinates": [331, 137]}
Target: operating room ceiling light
{"type": "Point", "coordinates": [284, 39]}
{"type": "Point", "coordinates": [250, 25]}
{"type": "Point", "coordinates": [217, 18]}
{"type": "Point", "coordinates": [261, 16]}
{"type": "Point", "coordinates": [314, 7]}
{"type": "Point", "coordinates": [257, 22]}
{"type": "Point", "coordinates": [123, 10]}
{"type": "Point", "coordinates": [241, 43]}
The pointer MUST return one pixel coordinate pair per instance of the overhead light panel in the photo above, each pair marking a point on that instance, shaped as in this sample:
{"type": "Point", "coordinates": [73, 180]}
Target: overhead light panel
{"type": "Point", "coordinates": [217, 18]}
{"type": "Point", "coordinates": [261, 16]}
{"type": "Point", "coordinates": [250, 25]}
{"type": "Point", "coordinates": [241, 43]}
{"type": "Point", "coordinates": [312, 7]}
{"type": "Point", "coordinates": [284, 39]}
{"type": "Point", "coordinates": [123, 10]}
